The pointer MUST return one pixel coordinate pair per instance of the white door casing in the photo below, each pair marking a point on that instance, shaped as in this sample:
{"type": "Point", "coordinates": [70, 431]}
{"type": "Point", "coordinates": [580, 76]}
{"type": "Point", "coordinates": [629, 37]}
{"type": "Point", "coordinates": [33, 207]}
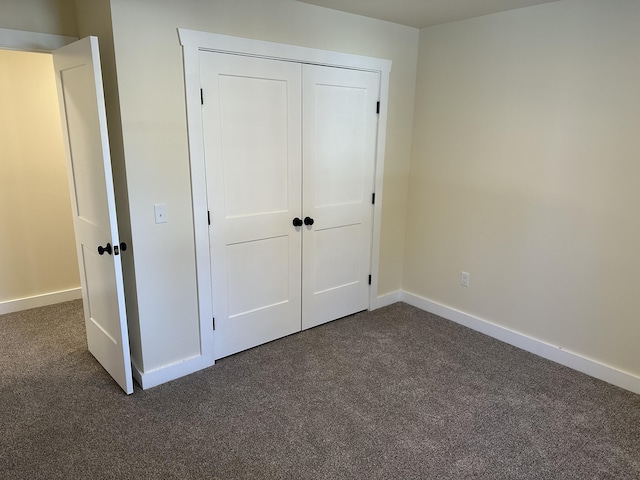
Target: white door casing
{"type": "Point", "coordinates": [84, 126]}
{"type": "Point", "coordinates": [339, 139]}
{"type": "Point", "coordinates": [251, 117]}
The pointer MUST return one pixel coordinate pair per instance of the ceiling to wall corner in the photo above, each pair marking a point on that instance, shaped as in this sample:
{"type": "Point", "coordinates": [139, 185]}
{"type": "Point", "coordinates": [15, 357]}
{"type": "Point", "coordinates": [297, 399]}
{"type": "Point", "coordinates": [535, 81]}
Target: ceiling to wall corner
{"type": "Point", "coordinates": [424, 13]}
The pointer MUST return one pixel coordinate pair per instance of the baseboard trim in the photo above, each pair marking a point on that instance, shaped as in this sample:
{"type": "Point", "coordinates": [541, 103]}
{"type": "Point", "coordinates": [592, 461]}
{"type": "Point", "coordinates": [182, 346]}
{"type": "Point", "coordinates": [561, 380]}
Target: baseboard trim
{"type": "Point", "coordinates": [43, 300]}
{"type": "Point", "coordinates": [556, 354]}
{"type": "Point", "coordinates": [386, 299]}
{"type": "Point", "coordinates": [174, 371]}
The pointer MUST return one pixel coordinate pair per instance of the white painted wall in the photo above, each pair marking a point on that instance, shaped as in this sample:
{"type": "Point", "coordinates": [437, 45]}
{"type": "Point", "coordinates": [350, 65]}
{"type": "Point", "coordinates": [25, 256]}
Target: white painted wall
{"type": "Point", "coordinates": [37, 246]}
{"type": "Point", "coordinates": [525, 173]}
{"type": "Point", "coordinates": [151, 88]}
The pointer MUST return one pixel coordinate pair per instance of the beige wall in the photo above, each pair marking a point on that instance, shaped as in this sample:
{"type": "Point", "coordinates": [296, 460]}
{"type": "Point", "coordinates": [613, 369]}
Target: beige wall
{"type": "Point", "coordinates": [43, 16]}
{"type": "Point", "coordinates": [37, 246]}
{"type": "Point", "coordinates": [151, 88]}
{"type": "Point", "coordinates": [525, 173]}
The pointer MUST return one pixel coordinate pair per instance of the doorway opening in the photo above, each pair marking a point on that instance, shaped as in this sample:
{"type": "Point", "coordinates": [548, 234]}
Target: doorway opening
{"type": "Point", "coordinates": [38, 258]}
{"type": "Point", "coordinates": [75, 66]}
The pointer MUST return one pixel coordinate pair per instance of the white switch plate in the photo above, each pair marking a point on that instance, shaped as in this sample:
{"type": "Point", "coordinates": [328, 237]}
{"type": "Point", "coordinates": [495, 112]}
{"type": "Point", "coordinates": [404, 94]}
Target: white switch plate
{"type": "Point", "coordinates": [464, 279]}
{"type": "Point", "coordinates": [160, 210]}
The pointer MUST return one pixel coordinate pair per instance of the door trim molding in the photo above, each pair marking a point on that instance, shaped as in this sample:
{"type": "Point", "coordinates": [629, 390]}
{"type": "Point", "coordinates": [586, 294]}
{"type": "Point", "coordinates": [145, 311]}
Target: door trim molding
{"type": "Point", "coordinates": [279, 51]}
{"type": "Point", "coordinates": [192, 43]}
{"type": "Point", "coordinates": [32, 41]}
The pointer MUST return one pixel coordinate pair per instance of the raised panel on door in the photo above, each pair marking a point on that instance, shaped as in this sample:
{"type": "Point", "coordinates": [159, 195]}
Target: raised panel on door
{"type": "Point", "coordinates": [251, 117]}
{"type": "Point", "coordinates": [339, 139]}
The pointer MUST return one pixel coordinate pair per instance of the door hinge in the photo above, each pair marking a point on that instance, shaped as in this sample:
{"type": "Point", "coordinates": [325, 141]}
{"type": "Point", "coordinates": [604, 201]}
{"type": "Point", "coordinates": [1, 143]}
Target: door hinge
{"type": "Point", "coordinates": [369, 279]}
{"type": "Point", "coordinates": [202, 97]}
{"type": "Point", "coordinates": [373, 199]}
{"type": "Point", "coordinates": [209, 217]}
{"type": "Point", "coordinates": [378, 108]}
{"type": "Point", "coordinates": [214, 322]}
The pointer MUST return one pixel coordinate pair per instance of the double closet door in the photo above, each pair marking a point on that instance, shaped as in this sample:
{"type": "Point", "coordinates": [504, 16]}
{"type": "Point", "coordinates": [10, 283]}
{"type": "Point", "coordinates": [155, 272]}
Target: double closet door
{"type": "Point", "coordinates": [290, 152]}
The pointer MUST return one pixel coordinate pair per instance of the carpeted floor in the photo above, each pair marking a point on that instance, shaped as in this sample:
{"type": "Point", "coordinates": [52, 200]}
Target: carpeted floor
{"type": "Point", "coordinates": [391, 394]}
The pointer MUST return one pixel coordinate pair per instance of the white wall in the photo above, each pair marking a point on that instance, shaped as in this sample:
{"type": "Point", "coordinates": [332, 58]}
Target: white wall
{"type": "Point", "coordinates": [151, 89]}
{"type": "Point", "coordinates": [37, 245]}
{"type": "Point", "coordinates": [525, 173]}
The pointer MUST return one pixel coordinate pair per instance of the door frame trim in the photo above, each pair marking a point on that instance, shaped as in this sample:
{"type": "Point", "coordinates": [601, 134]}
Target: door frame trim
{"type": "Point", "coordinates": [24, 41]}
{"type": "Point", "coordinates": [193, 42]}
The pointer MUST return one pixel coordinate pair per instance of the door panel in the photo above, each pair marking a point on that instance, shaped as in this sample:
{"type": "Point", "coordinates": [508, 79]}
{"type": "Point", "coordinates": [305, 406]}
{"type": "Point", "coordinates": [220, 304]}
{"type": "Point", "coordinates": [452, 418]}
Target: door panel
{"type": "Point", "coordinates": [101, 299]}
{"type": "Point", "coordinates": [84, 143]}
{"type": "Point", "coordinates": [339, 133]}
{"type": "Point", "coordinates": [255, 167]}
{"type": "Point", "coordinates": [338, 141]}
{"type": "Point", "coordinates": [252, 133]}
{"type": "Point", "coordinates": [338, 249]}
{"type": "Point", "coordinates": [81, 97]}
{"type": "Point", "coordinates": [249, 264]}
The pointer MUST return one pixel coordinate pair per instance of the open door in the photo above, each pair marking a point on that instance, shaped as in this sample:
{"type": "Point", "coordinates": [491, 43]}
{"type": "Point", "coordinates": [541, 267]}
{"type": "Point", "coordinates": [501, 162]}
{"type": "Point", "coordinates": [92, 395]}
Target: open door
{"type": "Point", "coordinates": [84, 126]}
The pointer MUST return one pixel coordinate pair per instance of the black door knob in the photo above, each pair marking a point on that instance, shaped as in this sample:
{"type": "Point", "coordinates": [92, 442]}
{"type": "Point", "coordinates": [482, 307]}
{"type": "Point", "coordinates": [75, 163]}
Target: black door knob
{"type": "Point", "coordinates": [308, 221]}
{"type": "Point", "coordinates": [107, 249]}
{"type": "Point", "coordinates": [297, 222]}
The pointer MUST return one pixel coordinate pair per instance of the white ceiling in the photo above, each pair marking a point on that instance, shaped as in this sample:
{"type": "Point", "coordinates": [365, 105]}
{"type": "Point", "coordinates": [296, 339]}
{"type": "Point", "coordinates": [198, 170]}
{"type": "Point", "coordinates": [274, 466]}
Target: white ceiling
{"type": "Point", "coordinates": [424, 13]}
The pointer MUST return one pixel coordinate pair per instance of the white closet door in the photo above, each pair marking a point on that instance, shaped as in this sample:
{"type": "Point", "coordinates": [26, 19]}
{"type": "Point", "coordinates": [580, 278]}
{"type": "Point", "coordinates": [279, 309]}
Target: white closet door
{"type": "Point", "coordinates": [251, 116]}
{"type": "Point", "coordinates": [339, 138]}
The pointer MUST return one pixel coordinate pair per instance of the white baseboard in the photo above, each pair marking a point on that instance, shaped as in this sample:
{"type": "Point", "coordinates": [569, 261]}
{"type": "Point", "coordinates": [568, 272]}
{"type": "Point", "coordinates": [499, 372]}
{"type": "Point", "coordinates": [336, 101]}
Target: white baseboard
{"type": "Point", "coordinates": [165, 374]}
{"type": "Point", "coordinates": [52, 298]}
{"type": "Point", "coordinates": [386, 299]}
{"type": "Point", "coordinates": [556, 354]}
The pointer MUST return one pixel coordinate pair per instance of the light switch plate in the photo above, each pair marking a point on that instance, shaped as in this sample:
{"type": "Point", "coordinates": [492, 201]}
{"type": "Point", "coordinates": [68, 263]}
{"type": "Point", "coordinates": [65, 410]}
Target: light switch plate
{"type": "Point", "coordinates": [160, 210]}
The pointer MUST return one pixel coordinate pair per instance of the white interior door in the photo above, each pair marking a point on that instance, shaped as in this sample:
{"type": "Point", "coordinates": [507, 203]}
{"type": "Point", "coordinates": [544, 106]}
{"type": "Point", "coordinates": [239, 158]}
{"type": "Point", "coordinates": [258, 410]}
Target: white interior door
{"type": "Point", "coordinates": [81, 97]}
{"type": "Point", "coordinates": [339, 139]}
{"type": "Point", "coordinates": [251, 121]}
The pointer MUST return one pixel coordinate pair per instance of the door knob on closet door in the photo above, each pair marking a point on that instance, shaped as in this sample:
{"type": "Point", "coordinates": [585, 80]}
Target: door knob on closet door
{"type": "Point", "coordinates": [308, 221]}
{"type": "Point", "coordinates": [297, 222]}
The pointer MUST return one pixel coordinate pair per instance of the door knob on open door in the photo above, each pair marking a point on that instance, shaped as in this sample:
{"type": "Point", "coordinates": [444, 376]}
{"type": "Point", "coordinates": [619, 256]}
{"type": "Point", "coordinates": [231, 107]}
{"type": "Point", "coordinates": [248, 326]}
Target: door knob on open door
{"type": "Point", "coordinates": [308, 221]}
{"type": "Point", "coordinates": [297, 222]}
{"type": "Point", "coordinates": [107, 249]}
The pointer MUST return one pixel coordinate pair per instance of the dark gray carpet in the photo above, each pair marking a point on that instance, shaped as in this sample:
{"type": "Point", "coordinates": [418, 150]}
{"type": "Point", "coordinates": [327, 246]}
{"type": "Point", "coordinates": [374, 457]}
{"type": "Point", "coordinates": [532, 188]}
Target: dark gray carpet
{"type": "Point", "coordinates": [394, 394]}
